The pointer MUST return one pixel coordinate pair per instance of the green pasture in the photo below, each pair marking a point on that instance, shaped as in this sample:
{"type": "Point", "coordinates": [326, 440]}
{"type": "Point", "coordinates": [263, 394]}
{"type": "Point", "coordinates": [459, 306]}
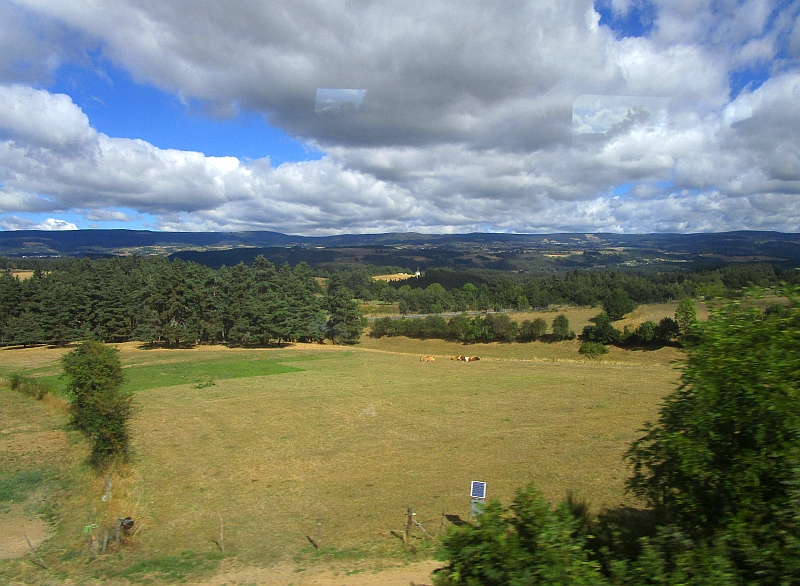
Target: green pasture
{"type": "Point", "coordinates": [204, 371]}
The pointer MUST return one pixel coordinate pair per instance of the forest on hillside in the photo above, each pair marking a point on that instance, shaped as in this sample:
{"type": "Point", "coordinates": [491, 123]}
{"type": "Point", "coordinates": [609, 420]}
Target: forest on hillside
{"type": "Point", "coordinates": [155, 300]}
{"type": "Point", "coordinates": [453, 290]}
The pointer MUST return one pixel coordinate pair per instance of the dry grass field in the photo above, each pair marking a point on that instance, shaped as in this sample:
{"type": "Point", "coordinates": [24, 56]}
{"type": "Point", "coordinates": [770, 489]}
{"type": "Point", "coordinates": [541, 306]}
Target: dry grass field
{"type": "Point", "coordinates": [21, 275]}
{"type": "Point", "coordinates": [393, 277]}
{"type": "Point", "coordinates": [355, 434]}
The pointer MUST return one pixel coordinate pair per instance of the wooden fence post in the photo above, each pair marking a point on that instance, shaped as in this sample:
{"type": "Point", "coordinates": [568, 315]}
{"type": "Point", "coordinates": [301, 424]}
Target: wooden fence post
{"type": "Point", "coordinates": [409, 521]}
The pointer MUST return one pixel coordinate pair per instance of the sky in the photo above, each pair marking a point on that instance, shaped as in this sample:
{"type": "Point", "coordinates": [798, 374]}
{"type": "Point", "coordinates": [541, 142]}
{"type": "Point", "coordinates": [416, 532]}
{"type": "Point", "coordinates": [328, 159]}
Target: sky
{"type": "Point", "coordinates": [322, 117]}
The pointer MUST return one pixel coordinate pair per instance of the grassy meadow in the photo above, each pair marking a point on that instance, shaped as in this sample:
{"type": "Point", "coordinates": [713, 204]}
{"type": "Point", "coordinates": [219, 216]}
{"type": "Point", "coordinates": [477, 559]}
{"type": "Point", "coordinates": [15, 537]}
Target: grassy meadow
{"type": "Point", "coordinates": [267, 440]}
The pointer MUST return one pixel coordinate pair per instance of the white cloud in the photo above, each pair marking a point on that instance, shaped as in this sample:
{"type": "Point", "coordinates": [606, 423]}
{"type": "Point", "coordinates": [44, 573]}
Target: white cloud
{"type": "Point", "coordinates": [55, 224]}
{"type": "Point", "coordinates": [16, 223]}
{"type": "Point", "coordinates": [106, 216]}
{"type": "Point", "coordinates": [36, 117]}
{"type": "Point", "coordinates": [466, 124]}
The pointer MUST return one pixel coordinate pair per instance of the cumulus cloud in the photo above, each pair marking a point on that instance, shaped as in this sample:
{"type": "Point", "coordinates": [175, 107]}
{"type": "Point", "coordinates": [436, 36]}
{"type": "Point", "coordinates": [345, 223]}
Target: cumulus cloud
{"type": "Point", "coordinates": [36, 117]}
{"type": "Point", "coordinates": [16, 223]}
{"type": "Point", "coordinates": [466, 123]}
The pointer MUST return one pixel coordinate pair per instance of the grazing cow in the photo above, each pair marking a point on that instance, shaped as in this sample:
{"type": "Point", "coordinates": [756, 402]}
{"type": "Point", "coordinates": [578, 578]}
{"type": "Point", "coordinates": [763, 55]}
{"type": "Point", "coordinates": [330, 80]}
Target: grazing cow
{"type": "Point", "coordinates": [427, 359]}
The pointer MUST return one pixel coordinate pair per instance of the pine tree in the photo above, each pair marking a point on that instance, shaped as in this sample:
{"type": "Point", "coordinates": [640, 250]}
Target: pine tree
{"type": "Point", "coordinates": [345, 321]}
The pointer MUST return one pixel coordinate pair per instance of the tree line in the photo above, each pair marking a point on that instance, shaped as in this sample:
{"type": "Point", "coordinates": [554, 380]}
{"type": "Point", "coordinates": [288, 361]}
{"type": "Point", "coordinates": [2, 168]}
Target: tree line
{"type": "Point", "coordinates": [490, 328]}
{"type": "Point", "coordinates": [153, 300]}
{"type": "Point", "coordinates": [442, 290]}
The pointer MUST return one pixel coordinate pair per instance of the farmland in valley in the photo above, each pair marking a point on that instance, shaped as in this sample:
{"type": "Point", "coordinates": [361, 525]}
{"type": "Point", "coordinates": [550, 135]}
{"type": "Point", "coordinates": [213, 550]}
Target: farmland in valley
{"type": "Point", "coordinates": [270, 439]}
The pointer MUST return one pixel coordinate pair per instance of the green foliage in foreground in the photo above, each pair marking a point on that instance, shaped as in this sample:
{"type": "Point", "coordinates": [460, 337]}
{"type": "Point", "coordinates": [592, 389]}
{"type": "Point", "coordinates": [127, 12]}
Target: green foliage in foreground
{"type": "Point", "coordinates": [720, 471]}
{"type": "Point", "coordinates": [528, 544]}
{"type": "Point", "coordinates": [724, 456]}
{"type": "Point", "coordinates": [98, 406]}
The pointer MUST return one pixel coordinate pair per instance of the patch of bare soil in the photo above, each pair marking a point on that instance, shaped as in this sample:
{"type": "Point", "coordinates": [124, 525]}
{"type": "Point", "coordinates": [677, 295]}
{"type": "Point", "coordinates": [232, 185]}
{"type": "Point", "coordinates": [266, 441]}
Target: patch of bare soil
{"type": "Point", "coordinates": [418, 574]}
{"type": "Point", "coordinates": [15, 525]}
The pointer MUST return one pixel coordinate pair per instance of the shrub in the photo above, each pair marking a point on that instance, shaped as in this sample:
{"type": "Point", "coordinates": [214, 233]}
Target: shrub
{"type": "Point", "coordinates": [458, 328]}
{"type": "Point", "coordinates": [99, 407]}
{"type": "Point", "coordinates": [530, 543]}
{"type": "Point", "coordinates": [667, 330]}
{"type": "Point", "coordinates": [28, 385]}
{"type": "Point", "coordinates": [593, 349]}
{"type": "Point", "coordinates": [646, 334]}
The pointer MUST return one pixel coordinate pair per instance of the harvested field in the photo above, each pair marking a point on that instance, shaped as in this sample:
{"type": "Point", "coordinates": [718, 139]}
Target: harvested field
{"type": "Point", "coordinates": [21, 275]}
{"type": "Point", "coordinates": [393, 277]}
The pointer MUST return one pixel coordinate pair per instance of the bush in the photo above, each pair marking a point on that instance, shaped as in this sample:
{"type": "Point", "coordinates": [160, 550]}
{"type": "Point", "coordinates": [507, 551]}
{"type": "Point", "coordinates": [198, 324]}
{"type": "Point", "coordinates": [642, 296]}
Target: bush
{"type": "Point", "coordinates": [593, 349]}
{"type": "Point", "coordinates": [501, 327]}
{"type": "Point", "coordinates": [98, 406]}
{"type": "Point", "coordinates": [530, 543]}
{"type": "Point", "coordinates": [28, 385]}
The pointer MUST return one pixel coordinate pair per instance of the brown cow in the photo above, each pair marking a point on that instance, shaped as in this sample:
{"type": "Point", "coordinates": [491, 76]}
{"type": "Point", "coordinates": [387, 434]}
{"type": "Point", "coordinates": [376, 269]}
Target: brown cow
{"type": "Point", "coordinates": [427, 359]}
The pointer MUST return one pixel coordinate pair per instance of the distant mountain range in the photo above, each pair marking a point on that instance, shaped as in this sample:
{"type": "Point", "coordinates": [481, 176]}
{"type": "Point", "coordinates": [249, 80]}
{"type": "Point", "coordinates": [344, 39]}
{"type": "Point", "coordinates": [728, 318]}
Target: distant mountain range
{"type": "Point", "coordinates": [410, 248]}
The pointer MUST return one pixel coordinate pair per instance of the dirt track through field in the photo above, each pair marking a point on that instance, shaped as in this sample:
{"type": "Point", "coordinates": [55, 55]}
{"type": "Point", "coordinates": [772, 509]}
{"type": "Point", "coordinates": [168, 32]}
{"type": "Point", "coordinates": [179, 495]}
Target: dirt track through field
{"type": "Point", "coordinates": [15, 527]}
{"type": "Point", "coordinates": [418, 574]}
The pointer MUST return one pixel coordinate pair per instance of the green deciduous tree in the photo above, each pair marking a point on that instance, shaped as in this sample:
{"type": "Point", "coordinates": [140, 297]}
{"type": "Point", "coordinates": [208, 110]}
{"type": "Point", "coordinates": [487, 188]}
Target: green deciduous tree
{"type": "Point", "coordinates": [602, 331]}
{"type": "Point", "coordinates": [667, 329]}
{"type": "Point", "coordinates": [686, 315]}
{"type": "Point", "coordinates": [723, 459]}
{"type": "Point", "coordinates": [532, 330]}
{"type": "Point", "coordinates": [617, 303]}
{"type": "Point", "coordinates": [98, 405]}
{"type": "Point", "coordinates": [561, 329]}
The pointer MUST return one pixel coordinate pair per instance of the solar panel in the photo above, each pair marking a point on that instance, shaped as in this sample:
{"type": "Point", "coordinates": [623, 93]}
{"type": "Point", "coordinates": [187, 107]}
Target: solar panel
{"type": "Point", "coordinates": [478, 490]}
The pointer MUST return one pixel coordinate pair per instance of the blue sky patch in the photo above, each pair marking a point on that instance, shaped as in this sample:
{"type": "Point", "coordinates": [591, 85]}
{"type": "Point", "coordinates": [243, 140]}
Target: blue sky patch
{"type": "Point", "coordinates": [121, 108]}
{"type": "Point", "coordinates": [134, 220]}
{"type": "Point", "coordinates": [751, 79]}
{"type": "Point", "coordinates": [637, 22]}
